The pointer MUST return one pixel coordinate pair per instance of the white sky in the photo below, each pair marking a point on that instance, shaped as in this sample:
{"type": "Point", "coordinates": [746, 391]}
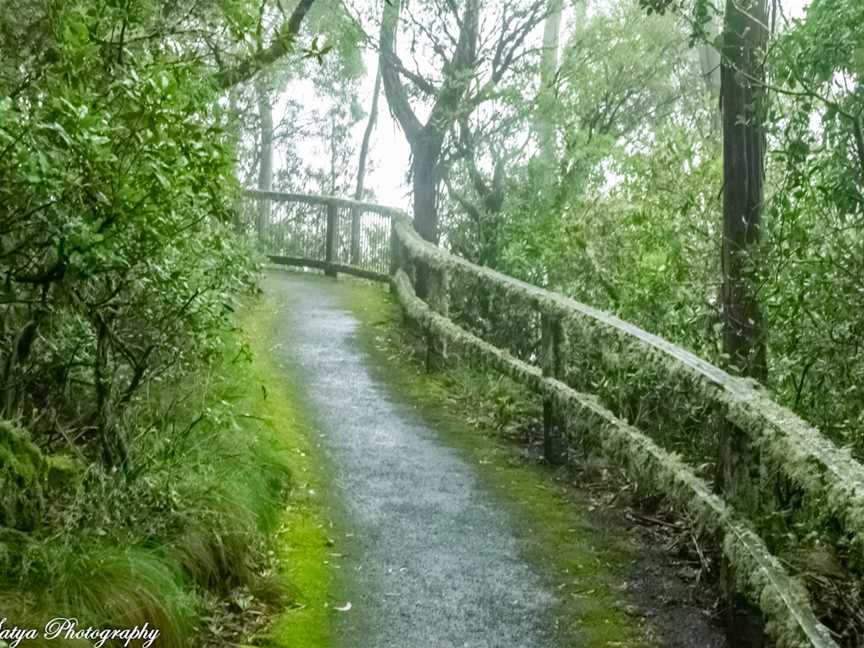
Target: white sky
{"type": "Point", "coordinates": [389, 157]}
{"type": "Point", "coordinates": [389, 151]}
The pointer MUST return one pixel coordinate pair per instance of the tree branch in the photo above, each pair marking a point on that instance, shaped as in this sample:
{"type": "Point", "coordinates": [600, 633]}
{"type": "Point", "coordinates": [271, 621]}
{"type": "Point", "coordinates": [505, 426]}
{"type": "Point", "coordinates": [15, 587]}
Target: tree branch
{"type": "Point", "coordinates": [280, 46]}
{"type": "Point", "coordinates": [397, 98]}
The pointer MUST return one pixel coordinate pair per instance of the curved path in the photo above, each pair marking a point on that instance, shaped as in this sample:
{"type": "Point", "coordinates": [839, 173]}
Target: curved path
{"type": "Point", "coordinates": [429, 559]}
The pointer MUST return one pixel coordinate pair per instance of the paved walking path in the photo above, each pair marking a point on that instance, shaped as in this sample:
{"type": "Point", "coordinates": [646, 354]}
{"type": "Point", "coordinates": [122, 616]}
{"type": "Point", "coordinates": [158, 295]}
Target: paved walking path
{"type": "Point", "coordinates": [430, 560]}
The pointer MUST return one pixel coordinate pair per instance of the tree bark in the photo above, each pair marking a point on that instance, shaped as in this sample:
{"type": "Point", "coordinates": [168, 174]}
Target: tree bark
{"type": "Point", "coordinates": [742, 81]}
{"type": "Point", "coordinates": [265, 163]}
{"type": "Point", "coordinates": [426, 151]}
{"type": "Point", "coordinates": [745, 36]}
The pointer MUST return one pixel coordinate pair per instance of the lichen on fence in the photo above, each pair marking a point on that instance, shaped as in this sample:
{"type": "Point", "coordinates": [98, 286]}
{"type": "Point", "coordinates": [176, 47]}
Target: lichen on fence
{"type": "Point", "coordinates": [784, 600]}
{"type": "Point", "coordinates": [829, 476]}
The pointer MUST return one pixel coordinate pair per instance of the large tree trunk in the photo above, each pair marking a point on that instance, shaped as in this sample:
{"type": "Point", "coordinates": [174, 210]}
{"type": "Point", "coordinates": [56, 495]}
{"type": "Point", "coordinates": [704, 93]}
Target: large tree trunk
{"type": "Point", "coordinates": [361, 167]}
{"type": "Point", "coordinates": [265, 163]}
{"type": "Point", "coordinates": [426, 151]}
{"type": "Point", "coordinates": [745, 36]}
{"type": "Point", "coordinates": [744, 41]}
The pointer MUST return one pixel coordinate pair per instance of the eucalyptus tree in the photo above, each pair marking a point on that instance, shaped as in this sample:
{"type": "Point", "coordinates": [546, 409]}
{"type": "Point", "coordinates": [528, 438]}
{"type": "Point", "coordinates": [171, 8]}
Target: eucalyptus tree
{"type": "Point", "coordinates": [745, 40]}
{"type": "Point", "coordinates": [472, 47]}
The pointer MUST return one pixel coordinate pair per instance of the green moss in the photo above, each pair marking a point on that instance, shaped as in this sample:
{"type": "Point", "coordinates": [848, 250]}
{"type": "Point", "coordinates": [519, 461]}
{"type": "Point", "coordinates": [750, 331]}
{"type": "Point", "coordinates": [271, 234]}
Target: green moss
{"type": "Point", "coordinates": [63, 471]}
{"type": "Point", "coordinates": [581, 560]}
{"type": "Point", "coordinates": [303, 547]}
{"type": "Point", "coordinates": [21, 471]}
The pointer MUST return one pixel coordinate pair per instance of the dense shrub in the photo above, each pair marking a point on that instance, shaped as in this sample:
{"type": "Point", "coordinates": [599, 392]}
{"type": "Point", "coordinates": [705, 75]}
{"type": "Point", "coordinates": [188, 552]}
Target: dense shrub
{"type": "Point", "coordinates": [120, 268]}
{"type": "Point", "coordinates": [118, 259]}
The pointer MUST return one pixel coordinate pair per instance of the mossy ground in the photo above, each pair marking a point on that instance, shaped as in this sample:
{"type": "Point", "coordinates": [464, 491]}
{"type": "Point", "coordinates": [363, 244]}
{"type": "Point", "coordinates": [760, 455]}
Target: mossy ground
{"type": "Point", "coordinates": [584, 561]}
{"type": "Point", "coordinates": [302, 544]}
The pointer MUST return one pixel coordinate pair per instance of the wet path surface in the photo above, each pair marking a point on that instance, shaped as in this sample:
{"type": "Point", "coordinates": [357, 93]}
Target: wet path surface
{"type": "Point", "coordinates": [429, 559]}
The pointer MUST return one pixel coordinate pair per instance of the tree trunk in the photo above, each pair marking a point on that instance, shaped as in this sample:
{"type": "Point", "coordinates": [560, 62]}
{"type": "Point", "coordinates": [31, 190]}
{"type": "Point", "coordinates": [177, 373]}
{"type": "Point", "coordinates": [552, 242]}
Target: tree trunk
{"type": "Point", "coordinates": [709, 64]}
{"type": "Point", "coordinates": [548, 70]}
{"type": "Point", "coordinates": [745, 36]}
{"type": "Point", "coordinates": [742, 79]}
{"type": "Point", "coordinates": [265, 163]}
{"type": "Point", "coordinates": [361, 167]}
{"type": "Point", "coordinates": [427, 139]}
{"type": "Point", "coordinates": [426, 151]}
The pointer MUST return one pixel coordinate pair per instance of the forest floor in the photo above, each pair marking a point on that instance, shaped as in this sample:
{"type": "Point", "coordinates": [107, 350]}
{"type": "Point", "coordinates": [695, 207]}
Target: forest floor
{"type": "Point", "coordinates": [436, 534]}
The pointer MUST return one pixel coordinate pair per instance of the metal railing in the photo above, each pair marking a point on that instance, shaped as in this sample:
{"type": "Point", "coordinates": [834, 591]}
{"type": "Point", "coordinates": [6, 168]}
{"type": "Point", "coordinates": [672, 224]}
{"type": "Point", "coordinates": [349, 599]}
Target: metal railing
{"type": "Point", "coordinates": [323, 232]}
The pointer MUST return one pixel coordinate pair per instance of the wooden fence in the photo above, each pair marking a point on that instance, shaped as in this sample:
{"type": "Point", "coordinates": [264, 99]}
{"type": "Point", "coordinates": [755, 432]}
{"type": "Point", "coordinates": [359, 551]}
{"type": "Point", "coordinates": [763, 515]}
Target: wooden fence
{"type": "Point", "coordinates": [562, 347]}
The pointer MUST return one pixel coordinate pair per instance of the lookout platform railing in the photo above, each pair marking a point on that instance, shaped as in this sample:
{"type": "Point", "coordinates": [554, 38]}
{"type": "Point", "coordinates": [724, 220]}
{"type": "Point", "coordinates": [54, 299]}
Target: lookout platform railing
{"type": "Point", "coordinates": [586, 366]}
{"type": "Point", "coordinates": [330, 234]}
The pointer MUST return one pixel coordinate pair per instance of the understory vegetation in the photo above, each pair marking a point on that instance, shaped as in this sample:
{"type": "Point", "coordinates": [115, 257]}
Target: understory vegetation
{"type": "Point", "coordinates": [141, 479]}
{"type": "Point", "coordinates": [182, 542]}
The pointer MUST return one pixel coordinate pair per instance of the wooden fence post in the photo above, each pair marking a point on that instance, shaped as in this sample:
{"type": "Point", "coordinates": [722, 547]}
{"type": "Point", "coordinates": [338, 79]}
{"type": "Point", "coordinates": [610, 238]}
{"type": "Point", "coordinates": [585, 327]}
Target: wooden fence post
{"type": "Point", "coordinates": [395, 252]}
{"type": "Point", "coordinates": [439, 301]}
{"type": "Point", "coordinates": [330, 244]}
{"type": "Point", "coordinates": [355, 236]}
{"type": "Point", "coordinates": [554, 438]}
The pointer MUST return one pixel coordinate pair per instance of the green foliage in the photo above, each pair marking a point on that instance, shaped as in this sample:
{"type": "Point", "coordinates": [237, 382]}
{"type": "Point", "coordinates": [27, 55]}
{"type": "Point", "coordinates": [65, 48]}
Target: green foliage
{"type": "Point", "coordinates": [812, 269]}
{"type": "Point", "coordinates": [21, 474]}
{"type": "Point", "coordinates": [119, 260]}
{"type": "Point", "coordinates": [624, 212]}
{"type": "Point", "coordinates": [130, 490]}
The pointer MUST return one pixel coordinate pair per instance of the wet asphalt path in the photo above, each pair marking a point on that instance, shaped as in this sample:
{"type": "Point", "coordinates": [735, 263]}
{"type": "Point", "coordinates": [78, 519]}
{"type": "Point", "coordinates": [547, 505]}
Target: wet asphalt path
{"type": "Point", "coordinates": [429, 560]}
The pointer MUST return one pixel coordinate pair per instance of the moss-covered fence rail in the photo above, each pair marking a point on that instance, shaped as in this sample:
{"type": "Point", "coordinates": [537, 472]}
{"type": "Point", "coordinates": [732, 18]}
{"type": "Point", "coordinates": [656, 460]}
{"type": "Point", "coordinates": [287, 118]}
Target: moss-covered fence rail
{"type": "Point", "coordinates": [458, 314]}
